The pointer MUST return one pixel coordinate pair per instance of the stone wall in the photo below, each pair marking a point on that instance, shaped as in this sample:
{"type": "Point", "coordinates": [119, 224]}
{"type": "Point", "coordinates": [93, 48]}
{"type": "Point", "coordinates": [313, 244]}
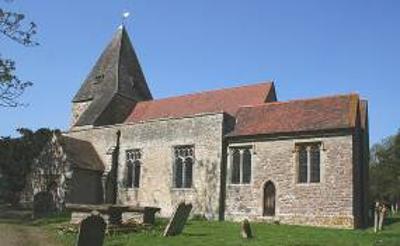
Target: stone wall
{"type": "Point", "coordinates": [328, 203]}
{"type": "Point", "coordinates": [361, 168]}
{"type": "Point", "coordinates": [48, 174]}
{"type": "Point", "coordinates": [157, 139]}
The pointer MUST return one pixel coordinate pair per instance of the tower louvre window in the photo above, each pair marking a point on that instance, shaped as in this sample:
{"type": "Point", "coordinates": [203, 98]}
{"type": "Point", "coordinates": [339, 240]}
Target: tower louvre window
{"type": "Point", "coordinates": [99, 78]}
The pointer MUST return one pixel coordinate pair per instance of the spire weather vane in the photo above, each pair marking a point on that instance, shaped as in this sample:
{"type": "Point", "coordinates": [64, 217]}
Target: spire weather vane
{"type": "Point", "coordinates": [125, 16]}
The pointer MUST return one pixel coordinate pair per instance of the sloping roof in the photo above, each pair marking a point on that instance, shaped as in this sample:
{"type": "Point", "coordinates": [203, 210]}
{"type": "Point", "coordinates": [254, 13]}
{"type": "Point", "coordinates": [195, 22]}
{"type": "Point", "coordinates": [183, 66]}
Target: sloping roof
{"type": "Point", "coordinates": [336, 112]}
{"type": "Point", "coordinates": [81, 153]}
{"type": "Point", "coordinates": [223, 100]}
{"type": "Point", "coordinates": [116, 73]}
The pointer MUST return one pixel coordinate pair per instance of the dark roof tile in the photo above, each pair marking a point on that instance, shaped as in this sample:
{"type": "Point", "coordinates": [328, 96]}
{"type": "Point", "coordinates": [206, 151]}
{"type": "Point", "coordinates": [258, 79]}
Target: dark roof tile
{"type": "Point", "coordinates": [81, 153]}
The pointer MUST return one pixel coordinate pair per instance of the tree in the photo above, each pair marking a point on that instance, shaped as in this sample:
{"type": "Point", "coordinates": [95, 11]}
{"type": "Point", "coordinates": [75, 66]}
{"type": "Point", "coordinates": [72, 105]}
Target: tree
{"type": "Point", "coordinates": [16, 158]}
{"type": "Point", "coordinates": [385, 170]}
{"type": "Point", "coordinates": [12, 26]}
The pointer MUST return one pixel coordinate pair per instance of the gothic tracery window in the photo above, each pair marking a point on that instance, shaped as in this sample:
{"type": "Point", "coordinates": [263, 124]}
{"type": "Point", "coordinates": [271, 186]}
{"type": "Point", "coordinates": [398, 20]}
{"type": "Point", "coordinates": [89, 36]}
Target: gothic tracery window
{"type": "Point", "coordinates": [183, 166]}
{"type": "Point", "coordinates": [133, 162]}
{"type": "Point", "coordinates": [240, 165]}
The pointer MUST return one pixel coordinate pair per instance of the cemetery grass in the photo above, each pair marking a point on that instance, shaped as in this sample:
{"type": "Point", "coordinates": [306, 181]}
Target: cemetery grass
{"type": "Point", "coordinates": [199, 232]}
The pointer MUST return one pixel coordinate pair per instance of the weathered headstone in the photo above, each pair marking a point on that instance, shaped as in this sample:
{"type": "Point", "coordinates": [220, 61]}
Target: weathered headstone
{"type": "Point", "coordinates": [246, 229]}
{"type": "Point", "coordinates": [91, 231]}
{"type": "Point", "coordinates": [382, 214]}
{"type": "Point", "coordinates": [178, 220]}
{"type": "Point", "coordinates": [43, 204]}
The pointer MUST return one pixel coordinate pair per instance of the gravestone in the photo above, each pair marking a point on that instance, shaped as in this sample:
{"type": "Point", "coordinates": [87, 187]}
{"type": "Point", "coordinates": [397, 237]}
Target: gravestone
{"type": "Point", "coordinates": [91, 231]}
{"type": "Point", "coordinates": [178, 220]}
{"type": "Point", "coordinates": [246, 229]}
{"type": "Point", "coordinates": [43, 204]}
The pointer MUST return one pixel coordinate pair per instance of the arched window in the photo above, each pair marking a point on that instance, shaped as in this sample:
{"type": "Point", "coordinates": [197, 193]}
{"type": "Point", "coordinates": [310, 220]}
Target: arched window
{"type": "Point", "coordinates": [183, 166]}
{"type": "Point", "coordinates": [133, 161]}
{"type": "Point", "coordinates": [303, 156]}
{"type": "Point", "coordinates": [240, 165]}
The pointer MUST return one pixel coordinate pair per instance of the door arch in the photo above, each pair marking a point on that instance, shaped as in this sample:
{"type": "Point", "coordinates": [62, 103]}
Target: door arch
{"type": "Point", "coordinates": [269, 199]}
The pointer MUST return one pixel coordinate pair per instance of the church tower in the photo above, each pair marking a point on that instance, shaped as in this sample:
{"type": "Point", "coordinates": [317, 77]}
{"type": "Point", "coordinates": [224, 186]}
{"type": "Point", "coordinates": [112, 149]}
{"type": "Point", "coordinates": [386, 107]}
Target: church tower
{"type": "Point", "coordinates": [113, 87]}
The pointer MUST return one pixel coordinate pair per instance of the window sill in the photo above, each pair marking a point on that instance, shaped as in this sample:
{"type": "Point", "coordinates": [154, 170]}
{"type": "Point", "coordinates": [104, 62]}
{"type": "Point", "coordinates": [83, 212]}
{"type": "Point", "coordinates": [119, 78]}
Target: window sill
{"type": "Point", "coordinates": [182, 189]}
{"type": "Point", "coordinates": [131, 188]}
{"type": "Point", "coordinates": [308, 184]}
{"type": "Point", "coordinates": [239, 185]}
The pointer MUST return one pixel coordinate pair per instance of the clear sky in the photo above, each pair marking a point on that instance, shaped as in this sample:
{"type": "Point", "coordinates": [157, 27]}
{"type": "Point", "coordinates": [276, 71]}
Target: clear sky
{"type": "Point", "coordinates": [310, 48]}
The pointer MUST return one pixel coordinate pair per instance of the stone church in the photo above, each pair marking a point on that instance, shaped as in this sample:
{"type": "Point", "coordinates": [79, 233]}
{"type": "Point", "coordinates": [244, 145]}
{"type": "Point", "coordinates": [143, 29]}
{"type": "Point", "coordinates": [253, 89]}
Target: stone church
{"type": "Point", "coordinates": [233, 153]}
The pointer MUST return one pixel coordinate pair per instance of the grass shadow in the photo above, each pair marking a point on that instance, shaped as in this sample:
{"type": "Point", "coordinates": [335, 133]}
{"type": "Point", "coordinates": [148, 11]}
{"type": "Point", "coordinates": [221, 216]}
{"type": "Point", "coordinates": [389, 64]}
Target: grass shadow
{"type": "Point", "coordinates": [190, 234]}
{"type": "Point", "coordinates": [392, 220]}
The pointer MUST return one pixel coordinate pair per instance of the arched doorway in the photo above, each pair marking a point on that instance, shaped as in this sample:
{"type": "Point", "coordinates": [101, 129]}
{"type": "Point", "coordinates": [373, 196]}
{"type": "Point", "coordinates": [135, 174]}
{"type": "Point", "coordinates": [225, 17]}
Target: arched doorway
{"type": "Point", "coordinates": [269, 199]}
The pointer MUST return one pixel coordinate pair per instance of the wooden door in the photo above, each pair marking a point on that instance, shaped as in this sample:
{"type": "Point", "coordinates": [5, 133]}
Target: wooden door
{"type": "Point", "coordinates": [269, 199]}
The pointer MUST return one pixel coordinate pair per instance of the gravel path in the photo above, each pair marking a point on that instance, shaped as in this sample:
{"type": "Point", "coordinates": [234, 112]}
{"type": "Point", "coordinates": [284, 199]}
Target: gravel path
{"type": "Point", "coordinates": [21, 235]}
{"type": "Point", "coordinates": [15, 231]}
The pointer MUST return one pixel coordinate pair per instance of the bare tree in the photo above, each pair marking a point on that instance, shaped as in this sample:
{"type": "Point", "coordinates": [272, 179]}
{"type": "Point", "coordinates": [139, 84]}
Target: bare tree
{"type": "Point", "coordinates": [12, 26]}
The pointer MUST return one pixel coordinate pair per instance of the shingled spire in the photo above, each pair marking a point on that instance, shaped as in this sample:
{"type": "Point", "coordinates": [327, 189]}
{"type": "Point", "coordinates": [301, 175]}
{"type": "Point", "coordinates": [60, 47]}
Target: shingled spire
{"type": "Point", "coordinates": [113, 87]}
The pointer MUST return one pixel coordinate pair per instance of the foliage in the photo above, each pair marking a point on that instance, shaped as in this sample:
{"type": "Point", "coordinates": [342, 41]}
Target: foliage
{"type": "Point", "coordinates": [13, 27]}
{"type": "Point", "coordinates": [385, 170]}
{"type": "Point", "coordinates": [16, 157]}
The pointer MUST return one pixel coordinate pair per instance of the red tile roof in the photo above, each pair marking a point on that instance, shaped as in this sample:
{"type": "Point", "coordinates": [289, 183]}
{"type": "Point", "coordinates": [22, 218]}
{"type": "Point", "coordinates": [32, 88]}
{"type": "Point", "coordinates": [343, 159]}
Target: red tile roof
{"type": "Point", "coordinates": [334, 112]}
{"type": "Point", "coordinates": [224, 100]}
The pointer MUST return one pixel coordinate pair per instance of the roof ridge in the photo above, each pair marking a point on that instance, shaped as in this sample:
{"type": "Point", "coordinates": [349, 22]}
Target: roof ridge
{"type": "Point", "coordinates": [303, 100]}
{"type": "Point", "coordinates": [208, 91]}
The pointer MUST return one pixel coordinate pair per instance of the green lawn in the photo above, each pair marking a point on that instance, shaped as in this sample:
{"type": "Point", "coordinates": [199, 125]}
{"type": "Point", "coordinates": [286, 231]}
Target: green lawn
{"type": "Point", "coordinates": [227, 233]}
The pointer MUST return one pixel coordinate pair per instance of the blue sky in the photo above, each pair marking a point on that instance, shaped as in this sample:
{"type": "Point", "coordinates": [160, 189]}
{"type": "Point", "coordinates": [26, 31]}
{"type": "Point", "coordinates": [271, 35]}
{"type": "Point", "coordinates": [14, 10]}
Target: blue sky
{"type": "Point", "coordinates": [310, 48]}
